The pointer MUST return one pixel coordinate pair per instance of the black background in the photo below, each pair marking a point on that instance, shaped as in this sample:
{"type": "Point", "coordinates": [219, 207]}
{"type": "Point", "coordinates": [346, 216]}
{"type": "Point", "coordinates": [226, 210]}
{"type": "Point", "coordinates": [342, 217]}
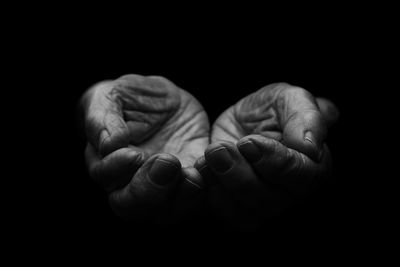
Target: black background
{"type": "Point", "coordinates": [218, 65]}
{"type": "Point", "coordinates": [218, 74]}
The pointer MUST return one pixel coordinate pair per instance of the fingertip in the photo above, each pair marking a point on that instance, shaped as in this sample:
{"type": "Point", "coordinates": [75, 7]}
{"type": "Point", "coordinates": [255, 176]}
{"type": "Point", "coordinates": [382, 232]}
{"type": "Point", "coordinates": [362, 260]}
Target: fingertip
{"type": "Point", "coordinates": [257, 147]}
{"type": "Point", "coordinates": [217, 145]}
{"type": "Point", "coordinates": [135, 157]}
{"type": "Point", "coordinates": [306, 145]}
{"type": "Point", "coordinates": [220, 157]}
{"type": "Point", "coordinates": [313, 148]}
{"type": "Point", "coordinates": [306, 134]}
{"type": "Point", "coordinates": [249, 150]}
{"type": "Point", "coordinates": [171, 159]}
{"type": "Point", "coordinates": [164, 169]}
{"type": "Point", "coordinates": [304, 126]}
{"type": "Point", "coordinates": [111, 142]}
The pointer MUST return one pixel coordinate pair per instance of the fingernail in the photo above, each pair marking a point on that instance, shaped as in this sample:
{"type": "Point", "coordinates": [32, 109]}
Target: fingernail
{"type": "Point", "coordinates": [137, 158]}
{"type": "Point", "coordinates": [309, 136]}
{"type": "Point", "coordinates": [250, 151]}
{"type": "Point", "coordinates": [162, 172]}
{"type": "Point", "coordinates": [220, 160]}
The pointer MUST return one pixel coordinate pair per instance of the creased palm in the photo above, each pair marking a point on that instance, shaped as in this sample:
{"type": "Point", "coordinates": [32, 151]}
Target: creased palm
{"type": "Point", "coordinates": [279, 111]}
{"type": "Point", "coordinates": [152, 114]}
{"type": "Point", "coordinates": [272, 146]}
{"type": "Point", "coordinates": [135, 121]}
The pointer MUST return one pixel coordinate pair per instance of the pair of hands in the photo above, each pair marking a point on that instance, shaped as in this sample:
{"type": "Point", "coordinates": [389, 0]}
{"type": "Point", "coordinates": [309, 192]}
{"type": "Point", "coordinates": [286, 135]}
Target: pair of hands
{"type": "Point", "coordinates": [151, 148]}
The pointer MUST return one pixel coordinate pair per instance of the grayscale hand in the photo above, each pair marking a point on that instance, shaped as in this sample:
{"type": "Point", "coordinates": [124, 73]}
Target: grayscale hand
{"type": "Point", "coordinates": [266, 150]}
{"type": "Point", "coordinates": [144, 136]}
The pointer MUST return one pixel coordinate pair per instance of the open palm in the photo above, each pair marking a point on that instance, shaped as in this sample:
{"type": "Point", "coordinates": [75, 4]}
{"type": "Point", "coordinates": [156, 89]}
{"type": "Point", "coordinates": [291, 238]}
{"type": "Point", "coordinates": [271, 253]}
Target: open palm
{"type": "Point", "coordinates": [148, 113]}
{"type": "Point", "coordinates": [141, 131]}
{"type": "Point", "coordinates": [266, 150]}
{"type": "Point", "coordinates": [285, 113]}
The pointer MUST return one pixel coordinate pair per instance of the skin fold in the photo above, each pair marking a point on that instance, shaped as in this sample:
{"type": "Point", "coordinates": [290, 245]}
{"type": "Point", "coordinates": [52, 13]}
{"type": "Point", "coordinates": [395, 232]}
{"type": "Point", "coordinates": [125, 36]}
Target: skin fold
{"type": "Point", "coordinates": [144, 136]}
{"type": "Point", "coordinates": [266, 151]}
{"type": "Point", "coordinates": [151, 148]}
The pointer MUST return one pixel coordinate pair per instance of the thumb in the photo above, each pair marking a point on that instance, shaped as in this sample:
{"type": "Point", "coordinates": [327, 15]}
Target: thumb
{"type": "Point", "coordinates": [304, 127]}
{"type": "Point", "coordinates": [105, 127]}
{"type": "Point", "coordinates": [329, 111]}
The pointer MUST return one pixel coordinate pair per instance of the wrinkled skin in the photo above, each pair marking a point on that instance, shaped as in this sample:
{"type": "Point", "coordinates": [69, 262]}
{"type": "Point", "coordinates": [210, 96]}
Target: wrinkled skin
{"type": "Point", "coordinates": [271, 149]}
{"type": "Point", "coordinates": [133, 123]}
{"type": "Point", "coordinates": [145, 135]}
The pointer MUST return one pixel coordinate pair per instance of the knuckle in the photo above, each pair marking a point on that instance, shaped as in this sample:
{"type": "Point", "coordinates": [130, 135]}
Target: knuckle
{"type": "Point", "coordinates": [158, 78]}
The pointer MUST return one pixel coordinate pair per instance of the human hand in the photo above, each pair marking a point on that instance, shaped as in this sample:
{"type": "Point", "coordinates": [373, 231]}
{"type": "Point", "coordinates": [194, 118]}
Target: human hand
{"type": "Point", "coordinates": [266, 151]}
{"type": "Point", "coordinates": [144, 135]}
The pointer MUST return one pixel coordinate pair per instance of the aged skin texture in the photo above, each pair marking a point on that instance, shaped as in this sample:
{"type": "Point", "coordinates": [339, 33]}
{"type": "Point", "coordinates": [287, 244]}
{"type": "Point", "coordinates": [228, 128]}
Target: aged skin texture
{"type": "Point", "coordinates": [267, 150]}
{"type": "Point", "coordinates": [144, 136]}
{"type": "Point", "coordinates": [149, 146]}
